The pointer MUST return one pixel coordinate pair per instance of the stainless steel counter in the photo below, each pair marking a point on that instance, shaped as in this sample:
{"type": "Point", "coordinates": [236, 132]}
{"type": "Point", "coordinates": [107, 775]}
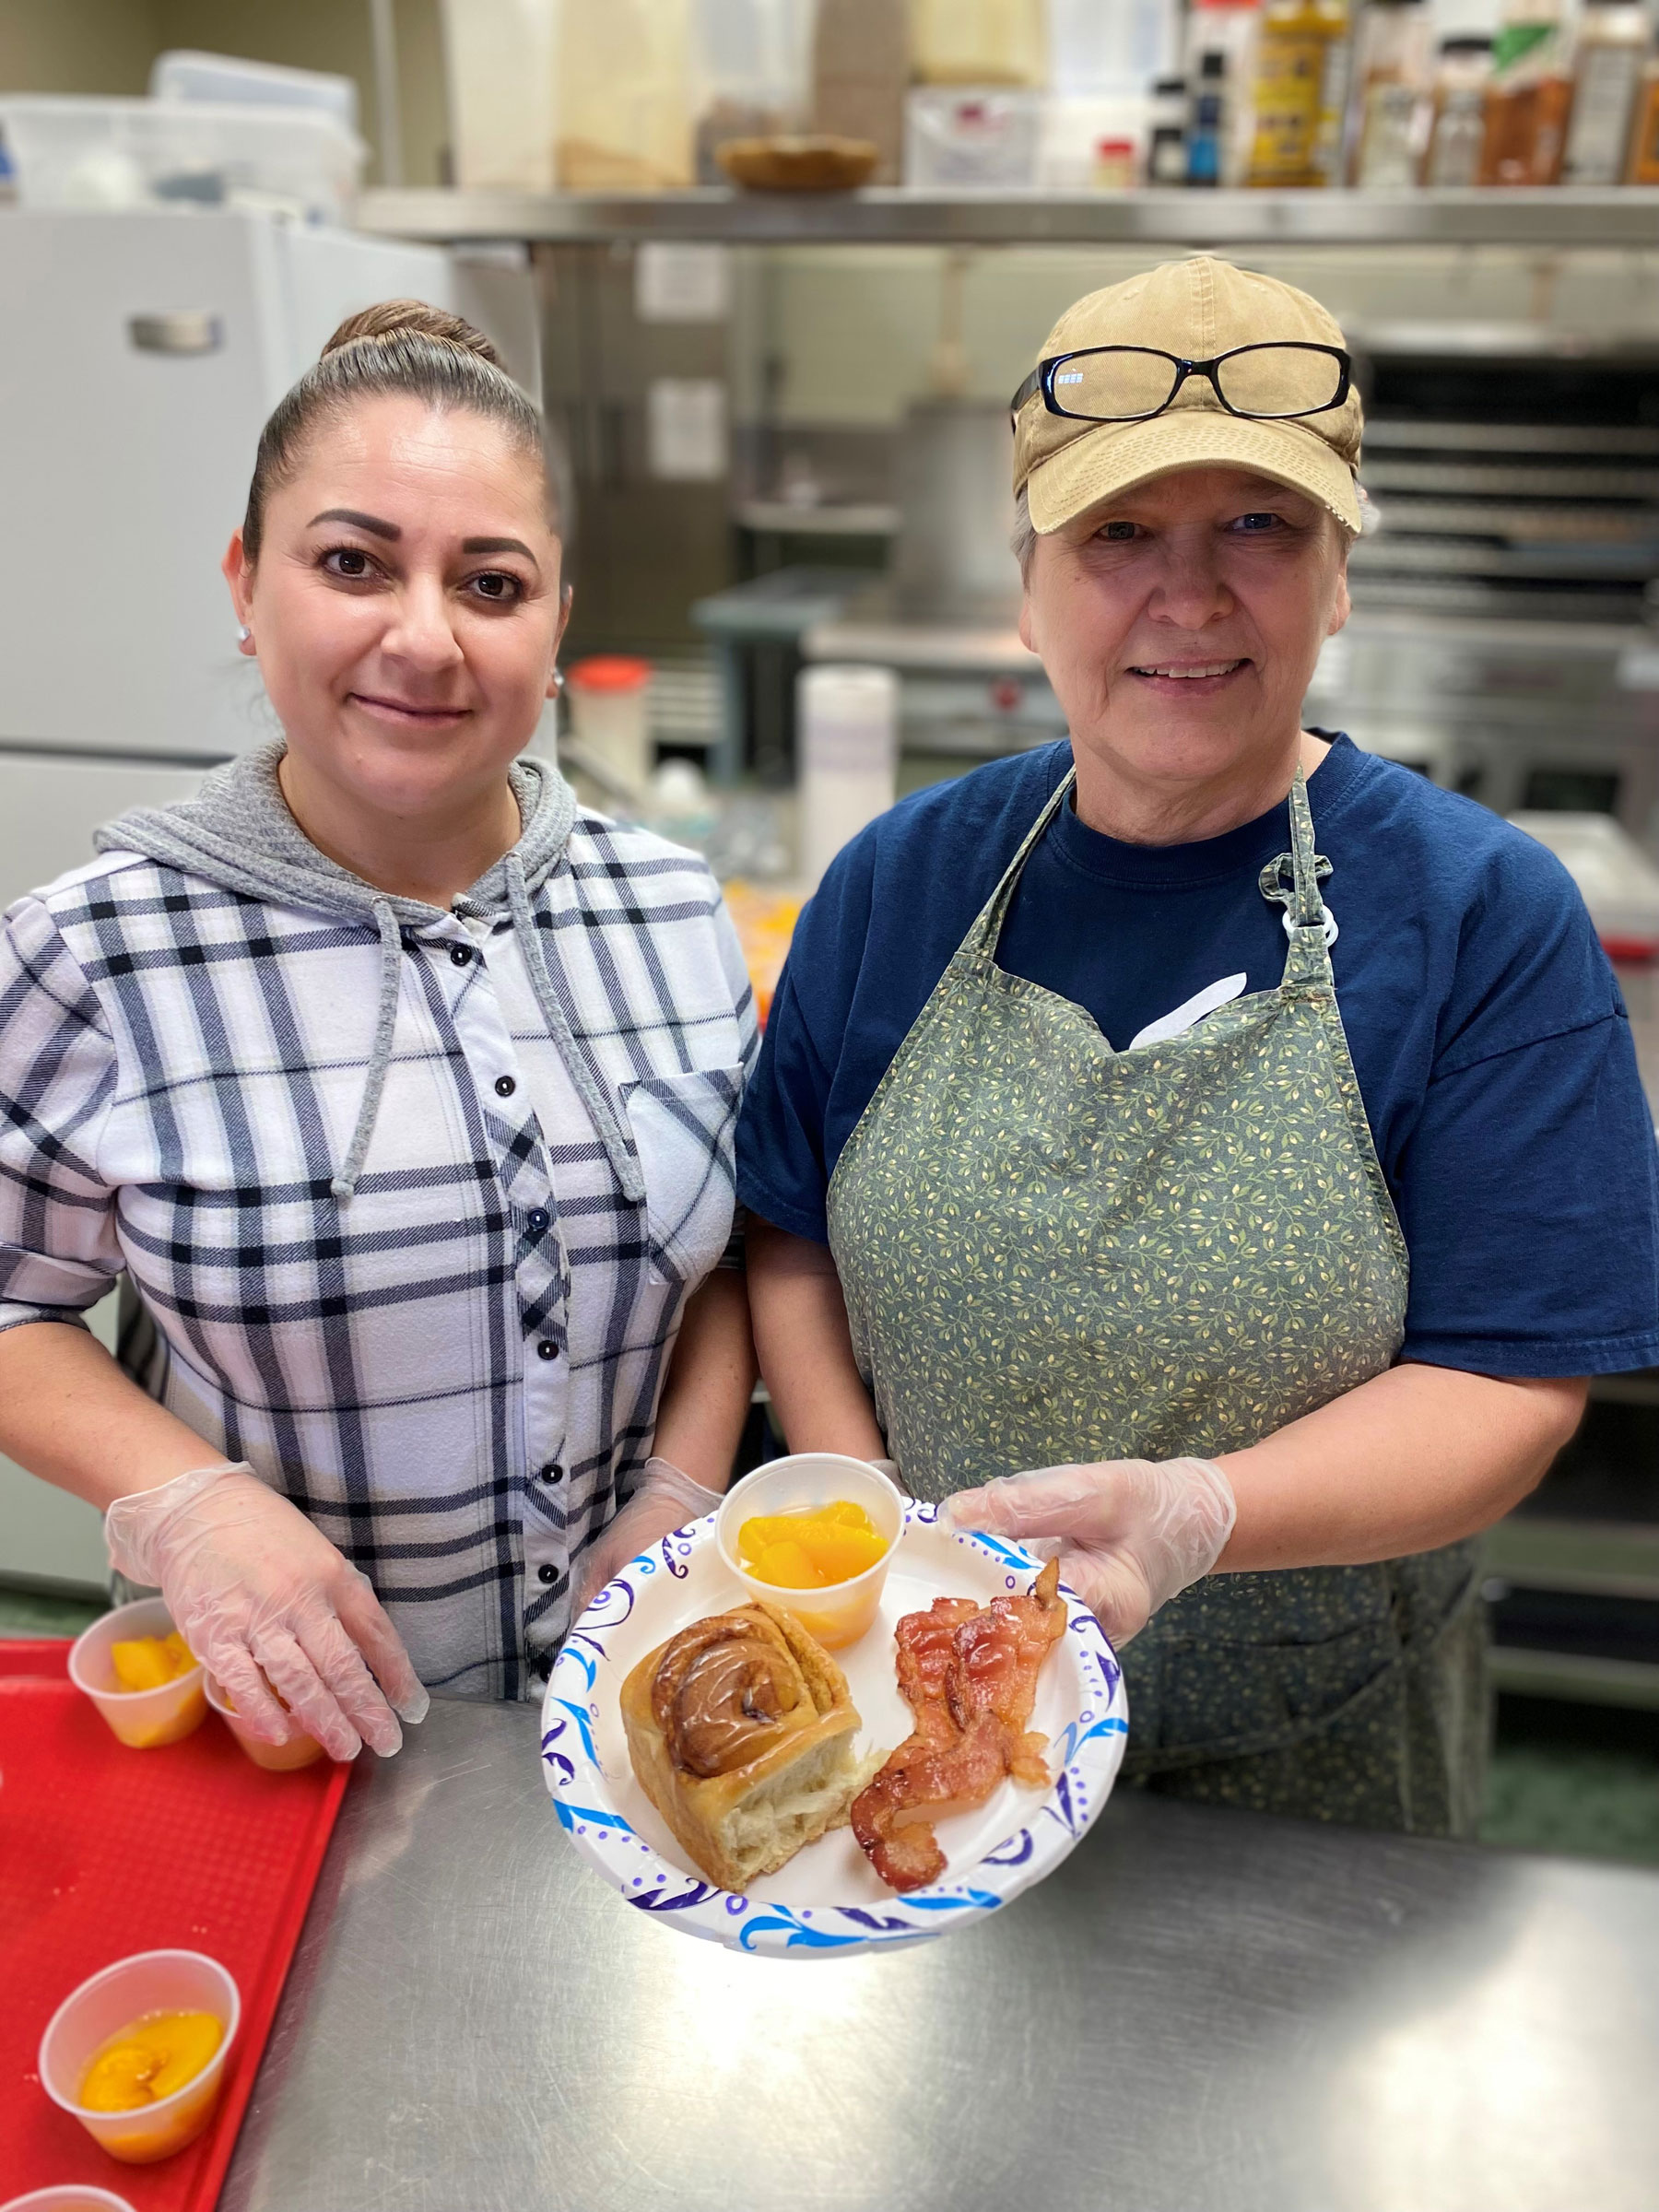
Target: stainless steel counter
{"type": "Point", "coordinates": [1200, 2011]}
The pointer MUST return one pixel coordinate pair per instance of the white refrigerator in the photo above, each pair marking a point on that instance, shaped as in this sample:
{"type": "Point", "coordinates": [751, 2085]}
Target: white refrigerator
{"type": "Point", "coordinates": [139, 356]}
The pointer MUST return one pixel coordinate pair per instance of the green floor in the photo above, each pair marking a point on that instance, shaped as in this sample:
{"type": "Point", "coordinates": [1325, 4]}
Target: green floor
{"type": "Point", "coordinates": [1591, 1803]}
{"type": "Point", "coordinates": [1548, 1793]}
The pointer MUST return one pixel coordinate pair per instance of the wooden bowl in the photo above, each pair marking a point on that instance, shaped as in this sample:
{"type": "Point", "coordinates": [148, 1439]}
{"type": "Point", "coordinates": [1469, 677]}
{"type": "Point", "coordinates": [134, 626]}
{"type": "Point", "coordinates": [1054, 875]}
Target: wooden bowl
{"type": "Point", "coordinates": [818, 163]}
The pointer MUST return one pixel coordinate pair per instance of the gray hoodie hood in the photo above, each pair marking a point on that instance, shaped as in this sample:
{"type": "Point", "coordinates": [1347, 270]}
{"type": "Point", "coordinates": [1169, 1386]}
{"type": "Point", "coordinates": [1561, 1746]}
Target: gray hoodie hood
{"type": "Point", "coordinates": [238, 833]}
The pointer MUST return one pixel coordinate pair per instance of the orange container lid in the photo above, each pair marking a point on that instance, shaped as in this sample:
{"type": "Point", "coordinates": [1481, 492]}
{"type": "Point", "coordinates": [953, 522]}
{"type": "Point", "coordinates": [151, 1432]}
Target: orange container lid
{"type": "Point", "coordinates": [609, 672]}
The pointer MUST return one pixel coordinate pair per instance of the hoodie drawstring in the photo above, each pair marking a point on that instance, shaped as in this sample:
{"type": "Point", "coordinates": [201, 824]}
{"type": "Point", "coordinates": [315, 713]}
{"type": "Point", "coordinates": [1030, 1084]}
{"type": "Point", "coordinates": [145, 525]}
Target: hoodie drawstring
{"type": "Point", "coordinates": [379, 1058]}
{"type": "Point", "coordinates": [622, 1157]}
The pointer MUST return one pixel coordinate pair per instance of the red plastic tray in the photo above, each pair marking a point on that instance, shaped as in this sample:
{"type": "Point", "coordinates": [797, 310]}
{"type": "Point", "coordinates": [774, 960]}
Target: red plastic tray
{"type": "Point", "coordinates": [105, 1851]}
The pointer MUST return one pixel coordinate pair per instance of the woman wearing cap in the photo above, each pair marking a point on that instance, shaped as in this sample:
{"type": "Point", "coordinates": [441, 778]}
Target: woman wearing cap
{"type": "Point", "coordinates": [401, 1089]}
{"type": "Point", "coordinates": [1203, 1143]}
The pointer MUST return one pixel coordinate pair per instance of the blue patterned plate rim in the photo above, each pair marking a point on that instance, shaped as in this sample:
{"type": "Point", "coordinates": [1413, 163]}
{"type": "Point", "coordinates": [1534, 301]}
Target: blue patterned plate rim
{"type": "Point", "coordinates": [1083, 1758]}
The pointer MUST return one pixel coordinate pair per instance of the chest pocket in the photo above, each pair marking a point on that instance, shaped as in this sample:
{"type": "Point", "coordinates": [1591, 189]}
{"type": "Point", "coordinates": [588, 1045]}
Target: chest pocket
{"type": "Point", "coordinates": [684, 1128]}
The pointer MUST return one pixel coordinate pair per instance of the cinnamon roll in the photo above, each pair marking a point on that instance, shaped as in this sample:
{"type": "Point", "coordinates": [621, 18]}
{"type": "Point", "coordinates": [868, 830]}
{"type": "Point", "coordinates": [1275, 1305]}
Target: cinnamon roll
{"type": "Point", "coordinates": [741, 1732]}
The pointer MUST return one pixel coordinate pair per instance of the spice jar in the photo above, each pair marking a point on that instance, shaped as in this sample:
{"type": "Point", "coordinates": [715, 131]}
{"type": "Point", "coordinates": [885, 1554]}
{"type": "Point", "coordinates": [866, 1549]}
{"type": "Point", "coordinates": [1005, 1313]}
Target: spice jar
{"type": "Point", "coordinates": [1388, 111]}
{"type": "Point", "coordinates": [1614, 39]}
{"type": "Point", "coordinates": [1529, 97]}
{"type": "Point", "coordinates": [1458, 130]}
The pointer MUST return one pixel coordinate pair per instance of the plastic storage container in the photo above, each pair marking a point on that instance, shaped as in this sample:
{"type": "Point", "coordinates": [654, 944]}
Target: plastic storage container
{"type": "Point", "coordinates": [624, 73]}
{"type": "Point", "coordinates": [610, 716]}
{"type": "Point", "coordinates": [1117, 48]}
{"type": "Point", "coordinates": [980, 41]}
{"type": "Point", "coordinates": [84, 2022]}
{"type": "Point", "coordinates": [142, 1718]}
{"type": "Point", "coordinates": [147, 154]}
{"type": "Point", "coordinates": [838, 1614]}
{"type": "Point", "coordinates": [227, 80]}
{"type": "Point", "coordinates": [499, 61]}
{"type": "Point", "coordinates": [859, 70]}
{"type": "Point", "coordinates": [753, 64]}
{"type": "Point", "coordinates": [987, 138]}
{"type": "Point", "coordinates": [847, 725]}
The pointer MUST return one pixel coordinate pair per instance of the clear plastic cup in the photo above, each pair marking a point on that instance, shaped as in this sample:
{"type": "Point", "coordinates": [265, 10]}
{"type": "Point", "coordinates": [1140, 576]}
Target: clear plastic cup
{"type": "Point", "coordinates": [839, 1613]}
{"type": "Point", "coordinates": [140, 1718]}
{"type": "Point", "coordinates": [278, 1758]}
{"type": "Point", "coordinates": [68, 2196]}
{"type": "Point", "coordinates": [122, 1993]}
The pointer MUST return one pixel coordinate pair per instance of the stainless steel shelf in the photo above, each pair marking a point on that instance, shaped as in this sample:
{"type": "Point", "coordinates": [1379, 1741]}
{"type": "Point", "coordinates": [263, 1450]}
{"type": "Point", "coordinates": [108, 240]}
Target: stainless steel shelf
{"type": "Point", "coordinates": [890, 215]}
{"type": "Point", "coordinates": [1579, 1680]}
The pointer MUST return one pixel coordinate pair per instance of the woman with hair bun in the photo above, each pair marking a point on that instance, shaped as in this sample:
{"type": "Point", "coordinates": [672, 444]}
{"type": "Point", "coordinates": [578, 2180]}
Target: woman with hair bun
{"type": "Point", "coordinates": [400, 1087]}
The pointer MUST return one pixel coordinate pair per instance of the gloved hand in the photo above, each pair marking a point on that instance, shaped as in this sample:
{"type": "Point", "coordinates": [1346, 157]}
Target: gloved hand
{"type": "Point", "coordinates": [265, 1601]}
{"type": "Point", "coordinates": [1131, 1532]}
{"type": "Point", "coordinates": [665, 1499]}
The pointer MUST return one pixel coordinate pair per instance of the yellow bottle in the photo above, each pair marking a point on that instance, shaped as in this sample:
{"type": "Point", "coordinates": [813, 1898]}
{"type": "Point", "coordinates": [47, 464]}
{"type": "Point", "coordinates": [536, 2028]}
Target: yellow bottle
{"type": "Point", "coordinates": [1300, 90]}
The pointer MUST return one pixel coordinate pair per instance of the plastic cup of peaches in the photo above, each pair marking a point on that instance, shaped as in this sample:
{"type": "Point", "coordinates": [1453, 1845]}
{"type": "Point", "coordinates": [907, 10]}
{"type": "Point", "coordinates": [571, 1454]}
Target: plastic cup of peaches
{"type": "Point", "coordinates": [814, 1534]}
{"type": "Point", "coordinates": [138, 2054]}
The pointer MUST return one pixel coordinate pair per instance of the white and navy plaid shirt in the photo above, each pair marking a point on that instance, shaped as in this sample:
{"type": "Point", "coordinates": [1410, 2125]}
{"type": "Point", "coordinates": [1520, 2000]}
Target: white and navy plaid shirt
{"type": "Point", "coordinates": [455, 1371]}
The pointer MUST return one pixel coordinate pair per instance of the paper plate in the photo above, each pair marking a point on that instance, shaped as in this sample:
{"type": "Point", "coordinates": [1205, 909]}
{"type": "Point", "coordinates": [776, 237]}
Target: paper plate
{"type": "Point", "coordinates": [828, 1899]}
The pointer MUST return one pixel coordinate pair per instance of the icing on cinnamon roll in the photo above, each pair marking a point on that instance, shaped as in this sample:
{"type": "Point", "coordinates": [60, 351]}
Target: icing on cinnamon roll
{"type": "Point", "coordinates": [724, 1691]}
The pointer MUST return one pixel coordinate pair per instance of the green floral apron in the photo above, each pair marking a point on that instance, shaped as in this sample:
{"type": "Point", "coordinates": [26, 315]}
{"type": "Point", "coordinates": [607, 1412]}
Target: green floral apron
{"type": "Point", "coordinates": [1054, 1252]}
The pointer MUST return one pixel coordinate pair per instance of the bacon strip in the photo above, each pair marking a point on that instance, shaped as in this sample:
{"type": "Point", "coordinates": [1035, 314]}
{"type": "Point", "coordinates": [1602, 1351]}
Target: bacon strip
{"type": "Point", "coordinates": [968, 1675]}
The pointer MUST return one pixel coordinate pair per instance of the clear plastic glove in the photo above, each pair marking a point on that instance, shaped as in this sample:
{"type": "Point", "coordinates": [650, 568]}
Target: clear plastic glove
{"type": "Point", "coordinates": [665, 1499]}
{"type": "Point", "coordinates": [1131, 1532]}
{"type": "Point", "coordinates": [265, 1601]}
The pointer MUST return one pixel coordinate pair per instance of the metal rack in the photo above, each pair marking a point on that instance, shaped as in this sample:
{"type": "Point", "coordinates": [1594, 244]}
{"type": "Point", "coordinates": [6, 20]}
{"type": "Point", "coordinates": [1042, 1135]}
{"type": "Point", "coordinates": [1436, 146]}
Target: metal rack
{"type": "Point", "coordinates": [1562, 218]}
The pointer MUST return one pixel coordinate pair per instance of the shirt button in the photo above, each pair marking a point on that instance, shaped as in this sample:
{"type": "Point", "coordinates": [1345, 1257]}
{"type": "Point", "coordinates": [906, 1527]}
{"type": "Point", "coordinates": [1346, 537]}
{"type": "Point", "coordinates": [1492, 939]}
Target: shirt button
{"type": "Point", "coordinates": [461, 954]}
{"type": "Point", "coordinates": [505, 1086]}
{"type": "Point", "coordinates": [538, 1219]}
{"type": "Point", "coordinates": [552, 1472]}
{"type": "Point", "coordinates": [547, 1349]}
{"type": "Point", "coordinates": [546, 1572]}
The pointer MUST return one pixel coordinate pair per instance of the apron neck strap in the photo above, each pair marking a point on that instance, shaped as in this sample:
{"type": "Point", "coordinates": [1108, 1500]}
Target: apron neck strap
{"type": "Point", "coordinates": [1302, 902]}
{"type": "Point", "coordinates": [983, 937]}
{"type": "Point", "coordinates": [1308, 955]}
{"type": "Point", "coordinates": [1304, 860]}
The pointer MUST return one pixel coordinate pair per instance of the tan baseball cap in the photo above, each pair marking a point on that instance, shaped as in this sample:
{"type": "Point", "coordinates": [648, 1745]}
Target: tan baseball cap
{"type": "Point", "coordinates": [1194, 310]}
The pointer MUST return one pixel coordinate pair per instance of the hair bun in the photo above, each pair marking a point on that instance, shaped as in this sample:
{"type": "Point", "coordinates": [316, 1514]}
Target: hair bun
{"type": "Point", "coordinates": [413, 318]}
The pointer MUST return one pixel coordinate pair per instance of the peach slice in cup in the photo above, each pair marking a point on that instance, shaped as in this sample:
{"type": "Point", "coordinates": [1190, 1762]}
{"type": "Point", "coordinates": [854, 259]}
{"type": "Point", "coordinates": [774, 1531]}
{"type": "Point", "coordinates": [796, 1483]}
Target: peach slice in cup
{"type": "Point", "coordinates": [278, 1759]}
{"type": "Point", "coordinates": [122, 1995]}
{"type": "Point", "coordinates": [836, 1613]}
{"type": "Point", "coordinates": [142, 1718]}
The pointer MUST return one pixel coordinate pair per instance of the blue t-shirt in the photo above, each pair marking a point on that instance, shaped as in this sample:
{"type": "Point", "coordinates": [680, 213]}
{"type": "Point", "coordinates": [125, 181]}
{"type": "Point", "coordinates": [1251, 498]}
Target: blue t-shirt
{"type": "Point", "coordinates": [1490, 1038]}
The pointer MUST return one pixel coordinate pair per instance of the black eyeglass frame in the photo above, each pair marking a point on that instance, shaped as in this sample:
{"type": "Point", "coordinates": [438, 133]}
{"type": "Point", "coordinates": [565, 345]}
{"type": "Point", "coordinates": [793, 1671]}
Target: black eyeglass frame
{"type": "Point", "coordinates": [1041, 378]}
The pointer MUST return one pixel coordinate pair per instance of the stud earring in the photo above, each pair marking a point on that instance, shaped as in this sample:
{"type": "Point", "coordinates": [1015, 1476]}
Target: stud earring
{"type": "Point", "coordinates": [243, 632]}
{"type": "Point", "coordinates": [558, 681]}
